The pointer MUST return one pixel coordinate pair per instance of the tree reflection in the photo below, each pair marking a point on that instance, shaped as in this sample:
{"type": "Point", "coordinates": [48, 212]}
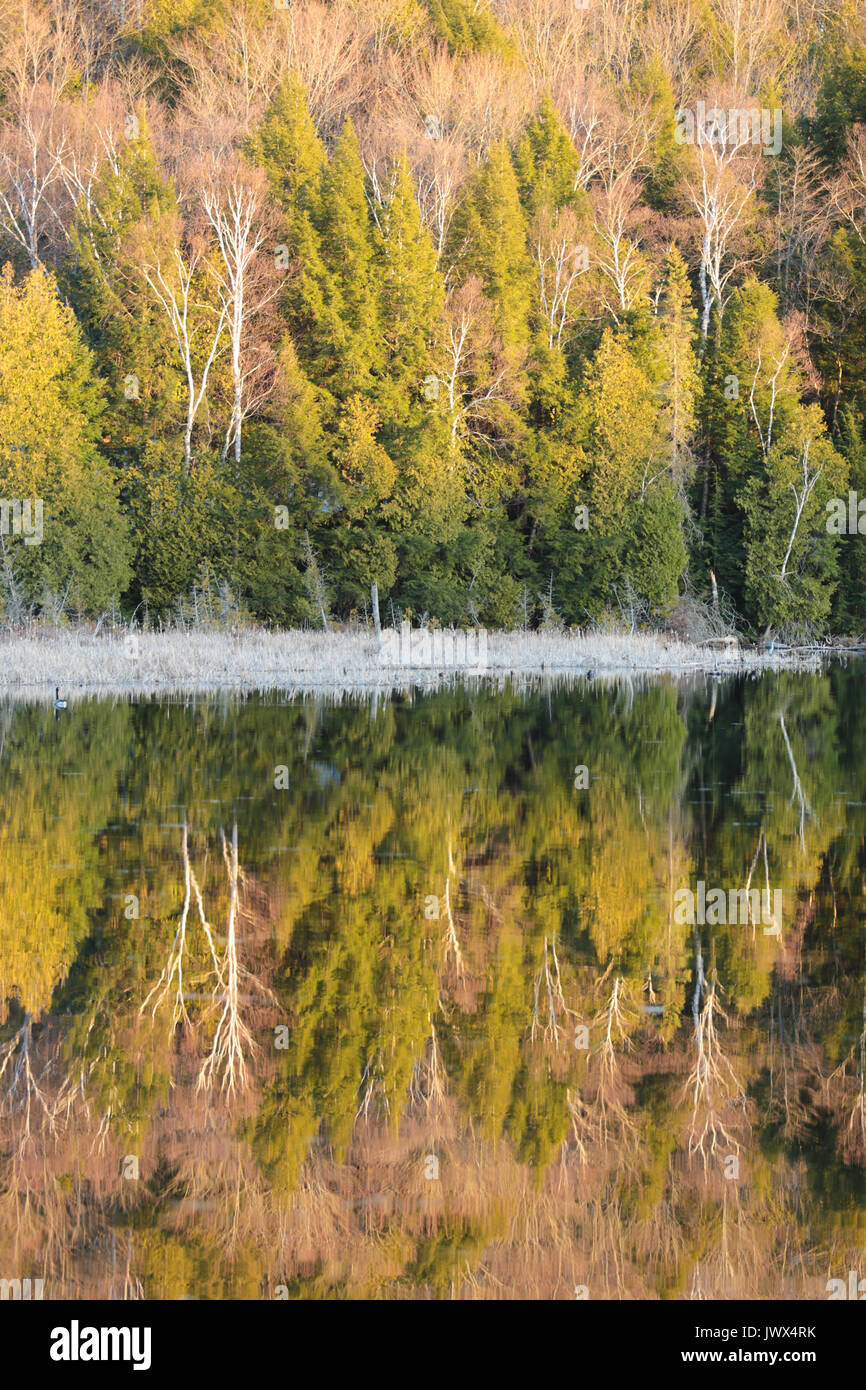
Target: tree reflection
{"type": "Point", "coordinates": [423, 1021]}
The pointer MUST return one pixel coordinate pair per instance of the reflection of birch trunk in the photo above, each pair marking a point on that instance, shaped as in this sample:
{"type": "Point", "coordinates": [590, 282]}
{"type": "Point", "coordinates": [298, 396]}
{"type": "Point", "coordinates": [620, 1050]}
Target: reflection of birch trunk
{"type": "Point", "coordinates": [372, 1086]}
{"type": "Point", "coordinates": [805, 809]}
{"type": "Point", "coordinates": [776, 928]}
{"type": "Point", "coordinates": [581, 1122]}
{"type": "Point", "coordinates": [173, 969]}
{"type": "Point", "coordinates": [614, 1019]}
{"type": "Point", "coordinates": [450, 940]}
{"type": "Point", "coordinates": [427, 1085]}
{"type": "Point", "coordinates": [593, 1119]}
{"type": "Point", "coordinates": [712, 1081]}
{"type": "Point", "coordinates": [232, 1037]}
{"type": "Point", "coordinates": [22, 1090]}
{"type": "Point", "coordinates": [554, 1006]}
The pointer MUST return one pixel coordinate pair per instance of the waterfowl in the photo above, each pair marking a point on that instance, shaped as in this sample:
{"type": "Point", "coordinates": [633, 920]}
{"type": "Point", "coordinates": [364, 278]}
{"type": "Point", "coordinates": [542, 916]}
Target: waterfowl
{"type": "Point", "coordinates": [58, 703]}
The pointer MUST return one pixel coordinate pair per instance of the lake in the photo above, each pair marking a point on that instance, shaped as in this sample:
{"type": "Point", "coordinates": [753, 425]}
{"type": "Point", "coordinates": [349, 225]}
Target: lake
{"type": "Point", "coordinates": [497, 992]}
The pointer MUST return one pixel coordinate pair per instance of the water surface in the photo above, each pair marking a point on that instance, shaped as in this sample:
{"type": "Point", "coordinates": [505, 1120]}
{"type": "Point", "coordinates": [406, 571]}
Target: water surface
{"type": "Point", "coordinates": [398, 999]}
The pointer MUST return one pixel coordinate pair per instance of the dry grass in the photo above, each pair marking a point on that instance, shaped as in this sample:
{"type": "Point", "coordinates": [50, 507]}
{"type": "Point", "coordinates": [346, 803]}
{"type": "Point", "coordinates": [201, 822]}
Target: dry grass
{"type": "Point", "coordinates": [298, 661]}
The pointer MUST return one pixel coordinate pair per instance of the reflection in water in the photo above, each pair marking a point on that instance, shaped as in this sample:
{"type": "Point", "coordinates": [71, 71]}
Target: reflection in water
{"type": "Point", "coordinates": [317, 1000]}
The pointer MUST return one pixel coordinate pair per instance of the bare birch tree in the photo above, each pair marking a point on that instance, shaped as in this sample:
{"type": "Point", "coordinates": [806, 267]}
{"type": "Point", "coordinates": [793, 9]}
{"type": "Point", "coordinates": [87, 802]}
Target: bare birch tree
{"type": "Point", "coordinates": [176, 275]}
{"type": "Point", "coordinates": [478, 377]}
{"type": "Point", "coordinates": [721, 191]}
{"type": "Point", "coordinates": [32, 151]}
{"type": "Point", "coordinates": [237, 210]}
{"type": "Point", "coordinates": [561, 255]}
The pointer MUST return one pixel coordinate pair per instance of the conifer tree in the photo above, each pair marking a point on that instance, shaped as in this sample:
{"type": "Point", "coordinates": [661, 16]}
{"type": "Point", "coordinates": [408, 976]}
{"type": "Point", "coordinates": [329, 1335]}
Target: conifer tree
{"type": "Point", "coordinates": [680, 384]}
{"type": "Point", "coordinates": [348, 338]}
{"type": "Point", "coordinates": [412, 296]}
{"type": "Point", "coordinates": [287, 147]}
{"type": "Point", "coordinates": [752, 391]}
{"type": "Point", "coordinates": [791, 555]}
{"type": "Point", "coordinates": [120, 321]}
{"type": "Point", "coordinates": [547, 163]}
{"type": "Point", "coordinates": [489, 238]}
{"type": "Point", "coordinates": [73, 542]}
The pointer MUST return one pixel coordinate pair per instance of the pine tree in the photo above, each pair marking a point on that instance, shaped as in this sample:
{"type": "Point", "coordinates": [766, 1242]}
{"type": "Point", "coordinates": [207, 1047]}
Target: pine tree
{"type": "Point", "coordinates": [119, 319]}
{"type": "Point", "coordinates": [791, 557]}
{"type": "Point", "coordinates": [412, 295]}
{"type": "Point", "coordinates": [849, 609]}
{"type": "Point", "coordinates": [339, 293]}
{"type": "Point", "coordinates": [842, 95]}
{"type": "Point", "coordinates": [752, 391]}
{"type": "Point", "coordinates": [633, 543]}
{"type": "Point", "coordinates": [489, 239]}
{"type": "Point", "coordinates": [547, 163]}
{"type": "Point", "coordinates": [680, 383]}
{"type": "Point", "coordinates": [467, 26]}
{"type": "Point", "coordinates": [50, 411]}
{"type": "Point", "coordinates": [653, 86]}
{"type": "Point", "coordinates": [287, 147]}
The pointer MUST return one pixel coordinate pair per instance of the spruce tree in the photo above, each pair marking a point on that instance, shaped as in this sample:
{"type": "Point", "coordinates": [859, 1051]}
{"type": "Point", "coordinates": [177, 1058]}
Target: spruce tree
{"type": "Point", "coordinates": [412, 293]}
{"type": "Point", "coordinates": [489, 239]}
{"type": "Point", "coordinates": [120, 321]}
{"type": "Point", "coordinates": [680, 384]}
{"type": "Point", "coordinates": [348, 336]}
{"type": "Point", "coordinates": [546, 163]}
{"type": "Point", "coordinates": [752, 390]}
{"type": "Point", "coordinates": [76, 540]}
{"type": "Point", "coordinates": [287, 147]}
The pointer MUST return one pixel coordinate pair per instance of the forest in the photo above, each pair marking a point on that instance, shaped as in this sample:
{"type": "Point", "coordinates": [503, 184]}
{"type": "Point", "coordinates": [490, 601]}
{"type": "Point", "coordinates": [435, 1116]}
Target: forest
{"type": "Point", "coordinates": [530, 312]}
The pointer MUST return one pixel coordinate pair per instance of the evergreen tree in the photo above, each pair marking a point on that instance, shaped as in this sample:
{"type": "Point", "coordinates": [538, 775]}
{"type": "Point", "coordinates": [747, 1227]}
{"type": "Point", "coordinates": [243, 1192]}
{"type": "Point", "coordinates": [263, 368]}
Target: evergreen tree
{"type": "Point", "coordinates": [50, 411]}
{"type": "Point", "coordinates": [547, 163]}
{"type": "Point", "coordinates": [680, 383]}
{"type": "Point", "coordinates": [342, 301]}
{"type": "Point", "coordinates": [489, 239]}
{"type": "Point", "coordinates": [849, 609]}
{"type": "Point", "coordinates": [752, 390]}
{"type": "Point", "coordinates": [412, 294]}
{"type": "Point", "coordinates": [633, 538]}
{"type": "Point", "coordinates": [791, 558]}
{"type": "Point", "coordinates": [120, 321]}
{"type": "Point", "coordinates": [287, 147]}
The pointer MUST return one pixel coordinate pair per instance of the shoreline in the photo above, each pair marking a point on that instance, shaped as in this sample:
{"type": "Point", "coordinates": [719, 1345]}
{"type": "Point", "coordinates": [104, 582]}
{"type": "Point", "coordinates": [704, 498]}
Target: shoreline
{"type": "Point", "coordinates": [306, 662]}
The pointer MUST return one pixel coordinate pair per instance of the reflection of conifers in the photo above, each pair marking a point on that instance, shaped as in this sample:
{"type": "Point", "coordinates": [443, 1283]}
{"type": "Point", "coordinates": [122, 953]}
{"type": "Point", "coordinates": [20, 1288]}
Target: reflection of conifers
{"type": "Point", "coordinates": [437, 1013]}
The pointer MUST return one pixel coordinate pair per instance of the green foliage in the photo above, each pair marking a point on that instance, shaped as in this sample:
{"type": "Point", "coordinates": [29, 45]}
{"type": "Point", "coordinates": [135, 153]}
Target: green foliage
{"type": "Point", "coordinates": [122, 325]}
{"type": "Point", "coordinates": [50, 411]}
{"type": "Point", "coordinates": [842, 94]}
{"type": "Point", "coordinates": [435, 360]}
{"type": "Point", "coordinates": [467, 26]}
{"type": "Point", "coordinates": [287, 147]}
{"type": "Point", "coordinates": [489, 239]}
{"type": "Point", "coordinates": [791, 565]}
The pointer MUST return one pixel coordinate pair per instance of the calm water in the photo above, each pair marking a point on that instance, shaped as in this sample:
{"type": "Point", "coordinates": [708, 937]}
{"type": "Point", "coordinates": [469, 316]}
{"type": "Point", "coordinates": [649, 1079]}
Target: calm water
{"type": "Point", "coordinates": [322, 1001]}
